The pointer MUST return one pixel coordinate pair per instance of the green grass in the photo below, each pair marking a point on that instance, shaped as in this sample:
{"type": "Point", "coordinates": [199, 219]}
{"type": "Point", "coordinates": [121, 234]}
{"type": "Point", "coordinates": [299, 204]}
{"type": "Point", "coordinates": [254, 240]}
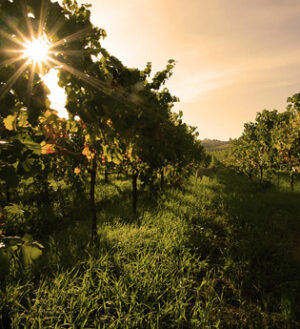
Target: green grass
{"type": "Point", "coordinates": [223, 253]}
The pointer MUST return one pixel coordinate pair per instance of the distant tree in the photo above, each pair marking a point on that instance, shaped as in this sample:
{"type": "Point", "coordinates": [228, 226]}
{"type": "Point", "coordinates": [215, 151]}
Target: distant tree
{"type": "Point", "coordinates": [286, 138]}
{"type": "Point", "coordinates": [272, 142]}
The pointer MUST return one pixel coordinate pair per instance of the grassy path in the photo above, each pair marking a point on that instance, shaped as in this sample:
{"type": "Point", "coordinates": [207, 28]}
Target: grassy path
{"type": "Point", "coordinates": [220, 254]}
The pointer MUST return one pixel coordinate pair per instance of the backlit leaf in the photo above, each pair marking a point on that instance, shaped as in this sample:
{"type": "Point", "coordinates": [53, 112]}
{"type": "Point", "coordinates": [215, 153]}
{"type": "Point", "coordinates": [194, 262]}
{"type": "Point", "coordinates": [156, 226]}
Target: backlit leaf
{"type": "Point", "coordinates": [10, 122]}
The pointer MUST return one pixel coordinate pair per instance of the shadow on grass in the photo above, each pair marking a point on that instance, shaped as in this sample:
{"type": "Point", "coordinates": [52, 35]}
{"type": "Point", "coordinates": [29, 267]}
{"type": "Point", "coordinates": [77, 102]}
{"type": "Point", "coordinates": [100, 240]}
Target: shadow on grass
{"type": "Point", "coordinates": [244, 236]}
{"type": "Point", "coordinates": [251, 235]}
{"type": "Point", "coordinates": [69, 243]}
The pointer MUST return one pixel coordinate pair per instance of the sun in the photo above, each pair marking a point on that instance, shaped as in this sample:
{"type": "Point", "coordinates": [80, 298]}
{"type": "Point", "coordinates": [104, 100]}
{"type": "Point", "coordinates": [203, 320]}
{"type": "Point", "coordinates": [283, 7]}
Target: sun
{"type": "Point", "coordinates": [37, 50]}
{"type": "Point", "coordinates": [34, 51]}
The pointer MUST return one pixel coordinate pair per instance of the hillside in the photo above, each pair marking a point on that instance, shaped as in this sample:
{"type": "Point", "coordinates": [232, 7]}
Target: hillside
{"type": "Point", "coordinates": [215, 145]}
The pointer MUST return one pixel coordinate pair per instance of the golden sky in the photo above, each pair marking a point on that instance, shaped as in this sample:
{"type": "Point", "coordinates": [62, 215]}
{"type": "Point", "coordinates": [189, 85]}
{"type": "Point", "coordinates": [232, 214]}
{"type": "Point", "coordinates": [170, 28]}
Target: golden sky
{"type": "Point", "coordinates": [234, 57]}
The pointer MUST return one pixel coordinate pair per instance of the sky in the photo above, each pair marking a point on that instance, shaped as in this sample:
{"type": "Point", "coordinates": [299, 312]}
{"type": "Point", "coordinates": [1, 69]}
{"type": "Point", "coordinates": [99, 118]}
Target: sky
{"type": "Point", "coordinates": [233, 58]}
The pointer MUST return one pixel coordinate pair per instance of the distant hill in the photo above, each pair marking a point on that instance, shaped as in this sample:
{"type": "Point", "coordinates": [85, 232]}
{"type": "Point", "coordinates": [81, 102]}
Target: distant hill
{"type": "Point", "coordinates": [212, 145]}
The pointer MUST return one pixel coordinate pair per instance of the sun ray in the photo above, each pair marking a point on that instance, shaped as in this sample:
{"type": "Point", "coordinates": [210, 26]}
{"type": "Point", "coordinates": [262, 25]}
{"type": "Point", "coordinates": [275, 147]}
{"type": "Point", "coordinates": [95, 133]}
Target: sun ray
{"type": "Point", "coordinates": [15, 40]}
{"type": "Point", "coordinates": [12, 80]}
{"type": "Point", "coordinates": [72, 37]}
{"type": "Point", "coordinates": [29, 85]}
{"type": "Point", "coordinates": [10, 61]}
{"type": "Point", "coordinates": [10, 51]}
{"type": "Point", "coordinates": [17, 31]}
{"type": "Point", "coordinates": [74, 53]}
{"type": "Point", "coordinates": [90, 80]}
{"type": "Point", "coordinates": [55, 28]}
{"type": "Point", "coordinates": [26, 15]}
{"type": "Point", "coordinates": [41, 67]}
{"type": "Point", "coordinates": [104, 87]}
{"type": "Point", "coordinates": [42, 18]}
{"type": "Point", "coordinates": [40, 59]}
{"type": "Point", "coordinates": [47, 59]}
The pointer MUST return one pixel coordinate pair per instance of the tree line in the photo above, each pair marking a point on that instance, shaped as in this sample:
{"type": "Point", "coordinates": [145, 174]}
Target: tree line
{"type": "Point", "coordinates": [270, 144]}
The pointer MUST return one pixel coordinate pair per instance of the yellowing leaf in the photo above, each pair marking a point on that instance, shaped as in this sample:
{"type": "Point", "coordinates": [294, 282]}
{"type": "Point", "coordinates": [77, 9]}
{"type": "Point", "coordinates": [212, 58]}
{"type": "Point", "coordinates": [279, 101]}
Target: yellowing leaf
{"type": "Point", "coordinates": [48, 113]}
{"type": "Point", "coordinates": [129, 152]}
{"type": "Point", "coordinates": [87, 152]}
{"type": "Point", "coordinates": [116, 161]}
{"type": "Point", "coordinates": [51, 134]}
{"type": "Point", "coordinates": [47, 148]}
{"type": "Point", "coordinates": [87, 137]}
{"type": "Point", "coordinates": [10, 122]}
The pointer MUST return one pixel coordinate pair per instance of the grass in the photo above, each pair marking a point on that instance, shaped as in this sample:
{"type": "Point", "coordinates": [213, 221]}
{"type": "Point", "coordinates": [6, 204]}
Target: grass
{"type": "Point", "coordinates": [223, 253]}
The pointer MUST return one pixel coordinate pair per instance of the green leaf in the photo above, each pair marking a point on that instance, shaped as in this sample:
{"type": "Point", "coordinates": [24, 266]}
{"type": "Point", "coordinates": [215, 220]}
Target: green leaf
{"type": "Point", "coordinates": [27, 237]}
{"type": "Point", "coordinates": [30, 253]}
{"type": "Point", "coordinates": [14, 210]}
{"type": "Point", "coordinates": [33, 146]}
{"type": "Point", "coordinates": [27, 164]}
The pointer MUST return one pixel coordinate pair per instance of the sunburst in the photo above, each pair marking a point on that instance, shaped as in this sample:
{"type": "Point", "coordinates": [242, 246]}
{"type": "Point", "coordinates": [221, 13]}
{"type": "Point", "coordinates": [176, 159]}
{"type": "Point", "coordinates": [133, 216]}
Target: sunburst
{"type": "Point", "coordinates": [38, 53]}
